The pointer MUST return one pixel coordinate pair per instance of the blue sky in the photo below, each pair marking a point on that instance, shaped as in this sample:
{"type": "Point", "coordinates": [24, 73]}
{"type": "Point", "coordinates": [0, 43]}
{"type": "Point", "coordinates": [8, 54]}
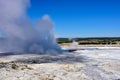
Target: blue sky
{"type": "Point", "coordinates": [80, 18]}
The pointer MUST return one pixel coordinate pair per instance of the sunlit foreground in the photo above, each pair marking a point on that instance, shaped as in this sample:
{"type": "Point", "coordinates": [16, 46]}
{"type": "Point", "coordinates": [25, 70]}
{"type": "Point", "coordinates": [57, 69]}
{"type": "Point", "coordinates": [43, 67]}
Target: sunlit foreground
{"type": "Point", "coordinates": [88, 64]}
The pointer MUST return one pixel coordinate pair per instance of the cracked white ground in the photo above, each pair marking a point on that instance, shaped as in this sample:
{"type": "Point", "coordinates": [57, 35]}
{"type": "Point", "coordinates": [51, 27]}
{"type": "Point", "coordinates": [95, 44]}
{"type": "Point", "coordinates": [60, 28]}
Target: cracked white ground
{"type": "Point", "coordinates": [100, 63]}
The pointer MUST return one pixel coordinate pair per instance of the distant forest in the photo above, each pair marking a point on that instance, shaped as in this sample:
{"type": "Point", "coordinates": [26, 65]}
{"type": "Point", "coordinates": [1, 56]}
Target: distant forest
{"type": "Point", "coordinates": [94, 40]}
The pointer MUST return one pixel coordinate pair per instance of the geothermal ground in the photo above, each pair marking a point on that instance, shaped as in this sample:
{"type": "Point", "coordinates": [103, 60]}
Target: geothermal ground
{"type": "Point", "coordinates": [96, 63]}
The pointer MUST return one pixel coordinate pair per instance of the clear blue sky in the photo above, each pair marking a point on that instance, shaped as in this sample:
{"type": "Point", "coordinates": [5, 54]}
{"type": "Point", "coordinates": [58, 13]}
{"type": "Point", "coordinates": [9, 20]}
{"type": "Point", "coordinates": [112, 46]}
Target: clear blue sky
{"type": "Point", "coordinates": [80, 18]}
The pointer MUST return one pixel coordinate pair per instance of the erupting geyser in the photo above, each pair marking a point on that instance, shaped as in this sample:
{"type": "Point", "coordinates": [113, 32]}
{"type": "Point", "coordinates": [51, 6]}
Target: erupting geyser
{"type": "Point", "coordinates": [18, 35]}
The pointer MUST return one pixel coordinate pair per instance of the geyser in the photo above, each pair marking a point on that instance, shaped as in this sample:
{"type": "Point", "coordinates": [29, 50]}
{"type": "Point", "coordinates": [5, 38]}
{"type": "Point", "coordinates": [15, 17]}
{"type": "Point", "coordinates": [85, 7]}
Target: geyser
{"type": "Point", "coordinates": [18, 35]}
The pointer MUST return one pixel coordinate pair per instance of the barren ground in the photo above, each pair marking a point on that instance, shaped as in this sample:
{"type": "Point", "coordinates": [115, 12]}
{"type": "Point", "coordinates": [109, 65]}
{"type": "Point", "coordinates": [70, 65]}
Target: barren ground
{"type": "Point", "coordinates": [96, 64]}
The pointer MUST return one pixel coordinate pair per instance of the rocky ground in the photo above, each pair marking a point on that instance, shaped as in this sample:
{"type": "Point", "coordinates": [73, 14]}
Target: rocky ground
{"type": "Point", "coordinates": [79, 65]}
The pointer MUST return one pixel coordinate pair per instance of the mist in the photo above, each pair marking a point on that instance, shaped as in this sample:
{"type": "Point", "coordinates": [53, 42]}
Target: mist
{"type": "Point", "coordinates": [19, 35]}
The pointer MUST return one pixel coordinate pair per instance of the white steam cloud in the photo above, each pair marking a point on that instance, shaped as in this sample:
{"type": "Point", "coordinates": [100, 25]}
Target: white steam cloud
{"type": "Point", "coordinates": [19, 35]}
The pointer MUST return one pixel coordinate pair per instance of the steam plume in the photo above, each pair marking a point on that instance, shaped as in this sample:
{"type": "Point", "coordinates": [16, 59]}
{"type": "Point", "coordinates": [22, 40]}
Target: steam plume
{"type": "Point", "coordinates": [19, 35]}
